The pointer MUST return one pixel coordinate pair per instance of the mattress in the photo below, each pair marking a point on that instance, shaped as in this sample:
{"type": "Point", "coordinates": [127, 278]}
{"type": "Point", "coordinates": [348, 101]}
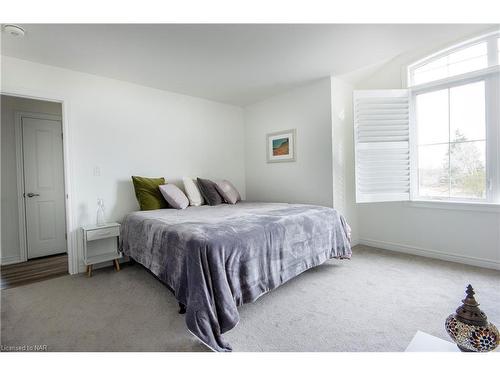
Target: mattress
{"type": "Point", "coordinates": [216, 258]}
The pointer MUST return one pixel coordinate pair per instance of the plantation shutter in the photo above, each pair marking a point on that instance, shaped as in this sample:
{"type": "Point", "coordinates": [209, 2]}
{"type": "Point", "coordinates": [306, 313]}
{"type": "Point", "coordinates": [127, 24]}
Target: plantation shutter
{"type": "Point", "coordinates": [382, 145]}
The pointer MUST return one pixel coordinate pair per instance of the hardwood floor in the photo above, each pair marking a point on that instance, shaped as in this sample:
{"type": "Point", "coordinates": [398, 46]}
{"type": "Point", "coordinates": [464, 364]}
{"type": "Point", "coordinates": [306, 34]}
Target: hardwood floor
{"type": "Point", "coordinates": [33, 270]}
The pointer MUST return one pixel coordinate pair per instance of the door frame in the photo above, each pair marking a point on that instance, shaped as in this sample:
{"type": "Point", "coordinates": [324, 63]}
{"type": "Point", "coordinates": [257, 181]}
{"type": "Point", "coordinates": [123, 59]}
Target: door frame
{"type": "Point", "coordinates": [21, 202]}
{"type": "Point", "coordinates": [71, 230]}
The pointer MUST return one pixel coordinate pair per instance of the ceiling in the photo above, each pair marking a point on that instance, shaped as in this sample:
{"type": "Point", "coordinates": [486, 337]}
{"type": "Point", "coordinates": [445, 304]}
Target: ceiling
{"type": "Point", "coordinates": [234, 63]}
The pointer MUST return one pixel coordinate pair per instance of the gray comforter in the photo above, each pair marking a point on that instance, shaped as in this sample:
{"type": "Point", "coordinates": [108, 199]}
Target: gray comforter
{"type": "Point", "coordinates": [218, 258]}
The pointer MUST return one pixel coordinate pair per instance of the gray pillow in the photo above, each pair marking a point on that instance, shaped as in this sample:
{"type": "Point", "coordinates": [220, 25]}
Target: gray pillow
{"type": "Point", "coordinates": [174, 196]}
{"type": "Point", "coordinates": [209, 191]}
{"type": "Point", "coordinates": [228, 191]}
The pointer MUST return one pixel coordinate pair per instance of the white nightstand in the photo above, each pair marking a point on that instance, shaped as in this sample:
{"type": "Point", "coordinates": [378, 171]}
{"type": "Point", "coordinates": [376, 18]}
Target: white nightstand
{"type": "Point", "coordinates": [100, 244]}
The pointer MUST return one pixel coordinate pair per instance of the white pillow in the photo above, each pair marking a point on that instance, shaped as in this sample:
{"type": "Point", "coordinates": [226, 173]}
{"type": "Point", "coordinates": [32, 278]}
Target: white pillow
{"type": "Point", "coordinates": [174, 196]}
{"type": "Point", "coordinates": [228, 191]}
{"type": "Point", "coordinates": [192, 192]}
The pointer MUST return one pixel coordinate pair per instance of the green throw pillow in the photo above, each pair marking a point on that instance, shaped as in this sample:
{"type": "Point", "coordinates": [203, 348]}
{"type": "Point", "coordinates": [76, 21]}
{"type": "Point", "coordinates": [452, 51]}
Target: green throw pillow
{"type": "Point", "coordinates": [148, 194]}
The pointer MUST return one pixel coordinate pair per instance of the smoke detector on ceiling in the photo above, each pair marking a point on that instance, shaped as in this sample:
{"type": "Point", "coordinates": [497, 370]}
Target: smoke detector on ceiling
{"type": "Point", "coordinates": [14, 30]}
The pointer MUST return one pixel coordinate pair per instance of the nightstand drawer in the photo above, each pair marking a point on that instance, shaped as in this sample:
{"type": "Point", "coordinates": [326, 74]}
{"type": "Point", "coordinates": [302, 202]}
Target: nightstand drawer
{"type": "Point", "coordinates": [97, 234]}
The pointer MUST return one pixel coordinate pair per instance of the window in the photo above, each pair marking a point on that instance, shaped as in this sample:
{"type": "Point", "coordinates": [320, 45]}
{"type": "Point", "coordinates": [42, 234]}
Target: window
{"type": "Point", "coordinates": [452, 120]}
{"type": "Point", "coordinates": [465, 60]}
{"type": "Point", "coordinates": [442, 142]}
{"type": "Point", "coordinates": [452, 142]}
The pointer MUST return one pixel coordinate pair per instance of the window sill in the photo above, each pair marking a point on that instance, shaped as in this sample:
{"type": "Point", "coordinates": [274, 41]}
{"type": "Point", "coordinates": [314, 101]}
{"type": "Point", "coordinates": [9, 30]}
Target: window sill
{"type": "Point", "coordinates": [455, 205]}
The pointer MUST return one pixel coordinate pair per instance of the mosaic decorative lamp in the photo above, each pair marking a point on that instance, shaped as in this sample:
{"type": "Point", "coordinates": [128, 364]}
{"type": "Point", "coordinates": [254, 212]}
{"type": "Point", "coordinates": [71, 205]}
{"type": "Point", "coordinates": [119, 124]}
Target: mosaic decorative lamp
{"type": "Point", "coordinates": [469, 327]}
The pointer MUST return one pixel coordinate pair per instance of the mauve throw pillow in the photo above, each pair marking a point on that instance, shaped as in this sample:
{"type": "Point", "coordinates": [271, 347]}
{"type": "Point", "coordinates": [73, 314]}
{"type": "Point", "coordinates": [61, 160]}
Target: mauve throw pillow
{"type": "Point", "coordinates": [228, 191]}
{"type": "Point", "coordinates": [174, 196]}
{"type": "Point", "coordinates": [209, 191]}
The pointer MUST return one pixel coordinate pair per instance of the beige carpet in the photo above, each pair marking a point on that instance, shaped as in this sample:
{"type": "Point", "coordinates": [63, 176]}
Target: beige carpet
{"type": "Point", "coordinates": [374, 302]}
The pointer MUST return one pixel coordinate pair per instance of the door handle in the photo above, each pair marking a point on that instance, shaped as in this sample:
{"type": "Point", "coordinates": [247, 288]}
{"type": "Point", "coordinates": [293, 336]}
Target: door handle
{"type": "Point", "coordinates": [31, 195]}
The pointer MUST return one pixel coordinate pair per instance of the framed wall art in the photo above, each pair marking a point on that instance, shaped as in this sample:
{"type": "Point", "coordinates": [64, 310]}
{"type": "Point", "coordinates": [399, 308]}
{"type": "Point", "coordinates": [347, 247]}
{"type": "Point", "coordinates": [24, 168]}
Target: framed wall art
{"type": "Point", "coordinates": [281, 146]}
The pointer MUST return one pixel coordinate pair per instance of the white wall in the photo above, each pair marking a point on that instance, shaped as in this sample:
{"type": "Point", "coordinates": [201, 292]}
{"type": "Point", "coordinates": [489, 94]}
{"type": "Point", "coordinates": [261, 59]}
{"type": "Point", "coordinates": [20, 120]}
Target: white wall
{"type": "Point", "coordinates": [324, 171]}
{"type": "Point", "coordinates": [466, 236]}
{"type": "Point", "coordinates": [126, 129]}
{"type": "Point", "coordinates": [9, 212]}
{"type": "Point", "coordinates": [343, 153]}
{"type": "Point", "coordinates": [309, 178]}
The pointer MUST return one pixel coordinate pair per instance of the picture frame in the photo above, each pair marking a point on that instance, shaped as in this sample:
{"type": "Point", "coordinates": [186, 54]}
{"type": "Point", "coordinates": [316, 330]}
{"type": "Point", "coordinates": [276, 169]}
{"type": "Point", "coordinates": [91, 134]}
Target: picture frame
{"type": "Point", "coordinates": [281, 146]}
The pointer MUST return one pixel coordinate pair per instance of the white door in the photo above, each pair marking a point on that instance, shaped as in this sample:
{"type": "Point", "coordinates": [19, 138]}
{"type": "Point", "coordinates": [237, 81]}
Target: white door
{"type": "Point", "coordinates": [43, 187]}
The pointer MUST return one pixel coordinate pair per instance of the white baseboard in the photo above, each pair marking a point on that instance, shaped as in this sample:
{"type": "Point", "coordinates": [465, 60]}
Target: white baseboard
{"type": "Point", "coordinates": [10, 260]}
{"type": "Point", "coordinates": [473, 261]}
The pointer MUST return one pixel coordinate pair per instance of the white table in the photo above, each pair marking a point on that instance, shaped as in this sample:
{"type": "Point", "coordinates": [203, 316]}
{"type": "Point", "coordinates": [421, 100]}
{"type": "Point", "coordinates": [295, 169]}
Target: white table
{"type": "Point", "coordinates": [423, 342]}
{"type": "Point", "coordinates": [100, 244]}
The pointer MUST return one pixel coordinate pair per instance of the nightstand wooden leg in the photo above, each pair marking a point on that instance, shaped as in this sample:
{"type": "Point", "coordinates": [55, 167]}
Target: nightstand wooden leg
{"type": "Point", "coordinates": [89, 270]}
{"type": "Point", "coordinates": [117, 265]}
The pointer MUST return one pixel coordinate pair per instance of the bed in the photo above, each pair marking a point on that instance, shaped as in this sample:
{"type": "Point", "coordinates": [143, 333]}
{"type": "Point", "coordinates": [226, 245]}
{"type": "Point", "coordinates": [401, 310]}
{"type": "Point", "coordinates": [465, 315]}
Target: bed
{"type": "Point", "coordinates": [216, 258]}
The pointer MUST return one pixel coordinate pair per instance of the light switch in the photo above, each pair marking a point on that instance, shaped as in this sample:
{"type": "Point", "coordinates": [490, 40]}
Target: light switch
{"type": "Point", "coordinates": [97, 171]}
